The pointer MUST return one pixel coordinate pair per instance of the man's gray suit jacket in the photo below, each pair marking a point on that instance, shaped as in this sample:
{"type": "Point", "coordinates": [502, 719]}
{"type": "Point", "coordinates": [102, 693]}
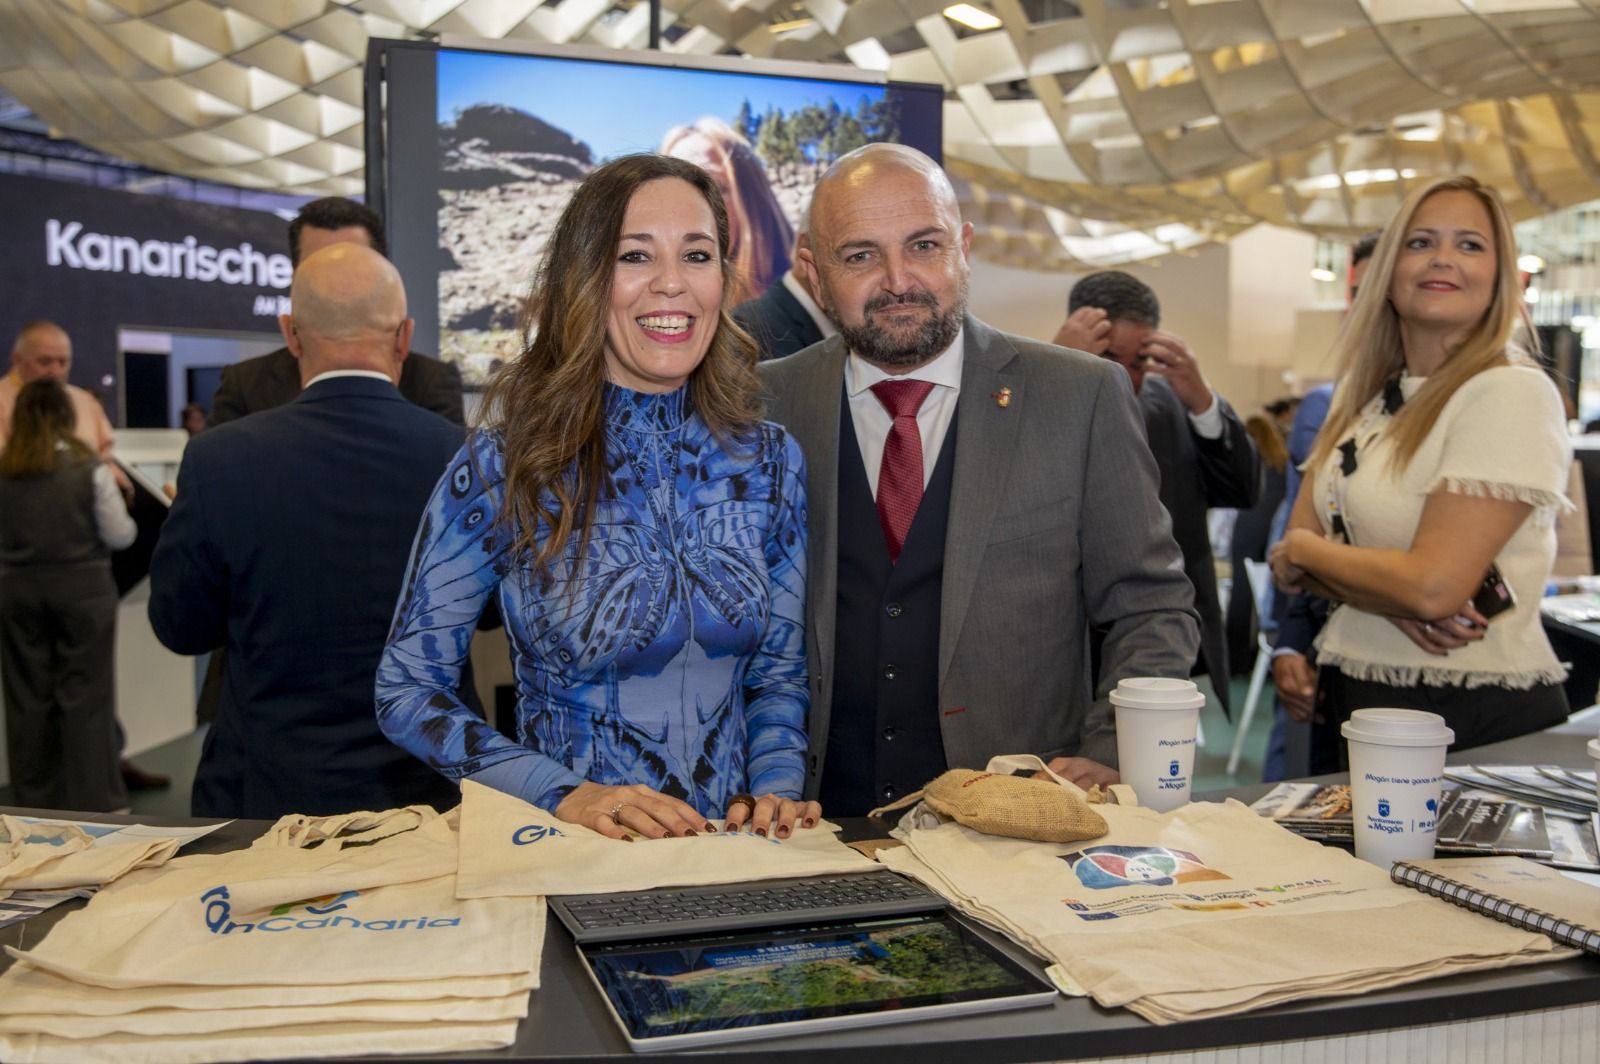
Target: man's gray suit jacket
{"type": "Point", "coordinates": [1055, 526]}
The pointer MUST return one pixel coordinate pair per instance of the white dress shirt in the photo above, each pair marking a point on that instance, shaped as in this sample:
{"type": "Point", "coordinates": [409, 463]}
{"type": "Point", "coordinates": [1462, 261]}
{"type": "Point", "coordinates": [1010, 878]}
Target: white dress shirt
{"type": "Point", "coordinates": [873, 422]}
{"type": "Point", "coordinates": [1209, 425]}
{"type": "Point", "coordinates": [809, 305]}
{"type": "Point", "coordinates": [332, 373]}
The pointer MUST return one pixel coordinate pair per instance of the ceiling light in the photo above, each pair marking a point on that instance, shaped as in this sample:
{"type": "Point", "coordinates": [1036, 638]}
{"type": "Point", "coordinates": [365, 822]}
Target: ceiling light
{"type": "Point", "coordinates": [1530, 263]}
{"type": "Point", "coordinates": [1321, 274]}
{"type": "Point", "coordinates": [1531, 296]}
{"type": "Point", "coordinates": [974, 18]}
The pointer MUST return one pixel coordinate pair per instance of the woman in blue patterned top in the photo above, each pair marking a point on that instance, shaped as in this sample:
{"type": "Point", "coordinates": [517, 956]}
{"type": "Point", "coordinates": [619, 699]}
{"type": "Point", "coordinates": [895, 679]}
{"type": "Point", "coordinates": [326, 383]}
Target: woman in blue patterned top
{"type": "Point", "coordinates": [642, 531]}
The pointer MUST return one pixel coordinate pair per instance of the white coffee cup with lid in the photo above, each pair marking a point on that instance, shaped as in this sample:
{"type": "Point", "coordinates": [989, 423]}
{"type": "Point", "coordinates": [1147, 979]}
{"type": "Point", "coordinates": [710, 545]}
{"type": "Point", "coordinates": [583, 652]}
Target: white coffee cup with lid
{"type": "Point", "coordinates": [1396, 776]}
{"type": "Point", "coordinates": [1156, 724]}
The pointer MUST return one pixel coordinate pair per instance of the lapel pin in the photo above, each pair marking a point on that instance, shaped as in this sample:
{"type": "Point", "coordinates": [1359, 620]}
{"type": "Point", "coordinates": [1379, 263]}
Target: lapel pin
{"type": "Point", "coordinates": [1002, 398]}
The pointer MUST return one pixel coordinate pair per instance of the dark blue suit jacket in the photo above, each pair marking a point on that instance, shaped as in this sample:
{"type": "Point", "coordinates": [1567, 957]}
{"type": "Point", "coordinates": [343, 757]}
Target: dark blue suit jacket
{"type": "Point", "coordinates": [1303, 615]}
{"type": "Point", "coordinates": [780, 325]}
{"type": "Point", "coordinates": [287, 544]}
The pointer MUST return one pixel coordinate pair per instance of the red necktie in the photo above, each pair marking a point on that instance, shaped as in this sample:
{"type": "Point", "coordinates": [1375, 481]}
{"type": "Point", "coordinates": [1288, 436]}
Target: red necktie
{"type": "Point", "coordinates": [900, 475]}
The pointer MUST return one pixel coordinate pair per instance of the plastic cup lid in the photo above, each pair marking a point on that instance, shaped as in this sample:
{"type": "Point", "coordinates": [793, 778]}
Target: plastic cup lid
{"type": "Point", "coordinates": [1397, 727]}
{"type": "Point", "coordinates": [1154, 692]}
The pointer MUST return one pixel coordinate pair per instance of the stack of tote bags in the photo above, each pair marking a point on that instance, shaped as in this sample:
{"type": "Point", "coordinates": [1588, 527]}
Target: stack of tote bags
{"type": "Point", "coordinates": [368, 933]}
{"type": "Point", "coordinates": [285, 949]}
{"type": "Point", "coordinates": [1205, 911]}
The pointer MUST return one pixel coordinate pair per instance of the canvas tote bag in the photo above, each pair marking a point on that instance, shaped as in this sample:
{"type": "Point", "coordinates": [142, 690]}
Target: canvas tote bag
{"type": "Point", "coordinates": [52, 856]}
{"type": "Point", "coordinates": [1206, 910]}
{"type": "Point", "coordinates": [285, 916]}
{"type": "Point", "coordinates": [339, 998]}
{"type": "Point", "coordinates": [509, 848]}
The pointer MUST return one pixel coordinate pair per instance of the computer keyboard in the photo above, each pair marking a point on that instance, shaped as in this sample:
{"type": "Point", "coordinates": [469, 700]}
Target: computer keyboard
{"type": "Point", "coordinates": [679, 911]}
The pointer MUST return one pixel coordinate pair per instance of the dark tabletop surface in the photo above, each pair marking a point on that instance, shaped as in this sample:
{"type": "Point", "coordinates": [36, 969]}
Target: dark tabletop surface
{"type": "Point", "coordinates": [568, 1021]}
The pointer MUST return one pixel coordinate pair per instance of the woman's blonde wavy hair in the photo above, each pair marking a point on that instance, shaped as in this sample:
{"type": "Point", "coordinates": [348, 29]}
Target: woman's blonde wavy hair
{"type": "Point", "coordinates": [1369, 347]}
{"type": "Point", "coordinates": [549, 404]}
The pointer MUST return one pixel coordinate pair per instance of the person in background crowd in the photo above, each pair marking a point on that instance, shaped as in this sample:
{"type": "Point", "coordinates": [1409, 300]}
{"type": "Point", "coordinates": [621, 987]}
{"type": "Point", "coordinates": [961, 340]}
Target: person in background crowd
{"type": "Point", "coordinates": [1201, 448]}
{"type": "Point", "coordinates": [273, 379]}
{"type": "Point", "coordinates": [287, 544]}
{"type": "Point", "coordinates": [950, 605]}
{"type": "Point", "coordinates": [43, 351]}
{"type": "Point", "coordinates": [1282, 412]}
{"type": "Point", "coordinates": [1433, 485]}
{"type": "Point", "coordinates": [1300, 617]}
{"type": "Point", "coordinates": [1251, 531]}
{"type": "Point", "coordinates": [192, 419]}
{"type": "Point", "coordinates": [785, 318]}
{"type": "Point", "coordinates": [759, 234]}
{"type": "Point", "coordinates": [61, 516]}
{"type": "Point", "coordinates": [643, 531]}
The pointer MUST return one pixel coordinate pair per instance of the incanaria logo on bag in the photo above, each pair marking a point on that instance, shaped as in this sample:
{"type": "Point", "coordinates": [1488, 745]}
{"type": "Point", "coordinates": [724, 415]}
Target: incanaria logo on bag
{"type": "Point", "coordinates": [1105, 867]}
{"type": "Point", "coordinates": [219, 916]}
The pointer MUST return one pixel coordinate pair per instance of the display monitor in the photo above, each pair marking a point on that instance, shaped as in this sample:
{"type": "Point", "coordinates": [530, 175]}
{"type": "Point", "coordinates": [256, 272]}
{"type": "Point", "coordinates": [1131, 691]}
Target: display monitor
{"type": "Point", "coordinates": [479, 150]}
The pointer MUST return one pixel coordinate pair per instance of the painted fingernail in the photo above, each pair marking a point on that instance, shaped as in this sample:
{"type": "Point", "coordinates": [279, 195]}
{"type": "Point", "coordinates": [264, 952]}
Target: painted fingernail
{"type": "Point", "coordinates": [627, 838]}
{"type": "Point", "coordinates": [709, 829]}
{"type": "Point", "coordinates": [809, 822]}
{"type": "Point", "coordinates": [783, 829]}
{"type": "Point", "coordinates": [731, 826]}
{"type": "Point", "coordinates": [762, 832]}
{"type": "Point", "coordinates": [689, 831]}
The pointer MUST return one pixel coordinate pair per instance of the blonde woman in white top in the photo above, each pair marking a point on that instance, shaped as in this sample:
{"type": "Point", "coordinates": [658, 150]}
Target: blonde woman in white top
{"type": "Point", "coordinates": [1443, 458]}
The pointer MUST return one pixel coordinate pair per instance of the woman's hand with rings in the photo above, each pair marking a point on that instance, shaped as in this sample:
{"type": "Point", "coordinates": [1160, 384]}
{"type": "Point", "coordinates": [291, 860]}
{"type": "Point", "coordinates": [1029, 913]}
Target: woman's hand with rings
{"type": "Point", "coordinates": [622, 812]}
{"type": "Point", "coordinates": [771, 815]}
{"type": "Point", "coordinates": [1440, 637]}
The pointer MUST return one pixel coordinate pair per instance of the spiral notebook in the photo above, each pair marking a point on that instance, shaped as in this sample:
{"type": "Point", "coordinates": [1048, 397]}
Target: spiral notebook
{"type": "Point", "coordinates": [1512, 890]}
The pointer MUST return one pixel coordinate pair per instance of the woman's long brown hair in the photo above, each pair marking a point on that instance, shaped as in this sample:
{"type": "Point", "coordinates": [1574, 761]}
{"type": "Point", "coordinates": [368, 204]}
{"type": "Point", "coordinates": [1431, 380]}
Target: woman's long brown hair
{"type": "Point", "coordinates": [549, 405]}
{"type": "Point", "coordinates": [42, 419]}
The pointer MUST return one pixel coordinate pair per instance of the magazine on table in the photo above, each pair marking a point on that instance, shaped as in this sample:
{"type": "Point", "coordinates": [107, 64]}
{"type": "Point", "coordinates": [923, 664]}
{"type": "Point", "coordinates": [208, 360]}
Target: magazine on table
{"type": "Point", "coordinates": [1471, 821]}
{"type": "Point", "coordinates": [1557, 789]}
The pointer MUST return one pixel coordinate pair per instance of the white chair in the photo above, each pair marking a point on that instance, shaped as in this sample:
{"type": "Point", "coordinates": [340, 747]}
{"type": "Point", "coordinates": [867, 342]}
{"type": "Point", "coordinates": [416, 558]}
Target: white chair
{"type": "Point", "coordinates": [1259, 574]}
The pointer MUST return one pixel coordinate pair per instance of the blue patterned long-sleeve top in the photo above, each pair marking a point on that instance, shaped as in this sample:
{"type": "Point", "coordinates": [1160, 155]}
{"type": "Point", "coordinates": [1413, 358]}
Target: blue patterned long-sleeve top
{"type": "Point", "coordinates": [672, 653]}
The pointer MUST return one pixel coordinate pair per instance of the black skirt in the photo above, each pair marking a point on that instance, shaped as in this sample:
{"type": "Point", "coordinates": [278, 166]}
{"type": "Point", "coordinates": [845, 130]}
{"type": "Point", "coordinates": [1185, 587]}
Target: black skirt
{"type": "Point", "coordinates": [1478, 715]}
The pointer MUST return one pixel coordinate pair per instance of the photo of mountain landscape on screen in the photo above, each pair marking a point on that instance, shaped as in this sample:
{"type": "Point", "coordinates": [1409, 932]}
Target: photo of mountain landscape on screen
{"type": "Point", "coordinates": [518, 133]}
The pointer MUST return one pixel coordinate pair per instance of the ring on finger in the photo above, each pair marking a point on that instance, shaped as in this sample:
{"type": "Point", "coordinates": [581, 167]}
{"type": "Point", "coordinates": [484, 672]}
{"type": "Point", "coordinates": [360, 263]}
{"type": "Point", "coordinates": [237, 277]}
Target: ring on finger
{"type": "Point", "coordinates": [616, 813]}
{"type": "Point", "coordinates": [1427, 627]}
{"type": "Point", "coordinates": [746, 800]}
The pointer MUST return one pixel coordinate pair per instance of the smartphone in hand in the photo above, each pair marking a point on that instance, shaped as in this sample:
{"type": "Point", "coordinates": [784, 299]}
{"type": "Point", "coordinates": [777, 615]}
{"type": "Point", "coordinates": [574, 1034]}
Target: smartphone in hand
{"type": "Point", "coordinates": [1494, 595]}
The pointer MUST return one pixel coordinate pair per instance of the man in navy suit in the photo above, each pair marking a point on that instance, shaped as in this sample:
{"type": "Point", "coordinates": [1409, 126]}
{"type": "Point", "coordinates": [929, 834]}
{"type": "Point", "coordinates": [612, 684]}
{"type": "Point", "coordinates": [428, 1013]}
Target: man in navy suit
{"type": "Point", "coordinates": [273, 379]}
{"type": "Point", "coordinates": [288, 543]}
{"type": "Point", "coordinates": [785, 318]}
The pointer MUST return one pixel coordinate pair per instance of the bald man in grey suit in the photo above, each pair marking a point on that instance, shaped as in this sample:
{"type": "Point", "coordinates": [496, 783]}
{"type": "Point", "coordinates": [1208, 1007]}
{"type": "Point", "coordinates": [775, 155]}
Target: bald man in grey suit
{"type": "Point", "coordinates": [964, 635]}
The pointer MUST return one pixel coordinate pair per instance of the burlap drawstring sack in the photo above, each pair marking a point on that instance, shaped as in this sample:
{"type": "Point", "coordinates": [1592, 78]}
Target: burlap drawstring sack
{"type": "Point", "coordinates": [1014, 807]}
